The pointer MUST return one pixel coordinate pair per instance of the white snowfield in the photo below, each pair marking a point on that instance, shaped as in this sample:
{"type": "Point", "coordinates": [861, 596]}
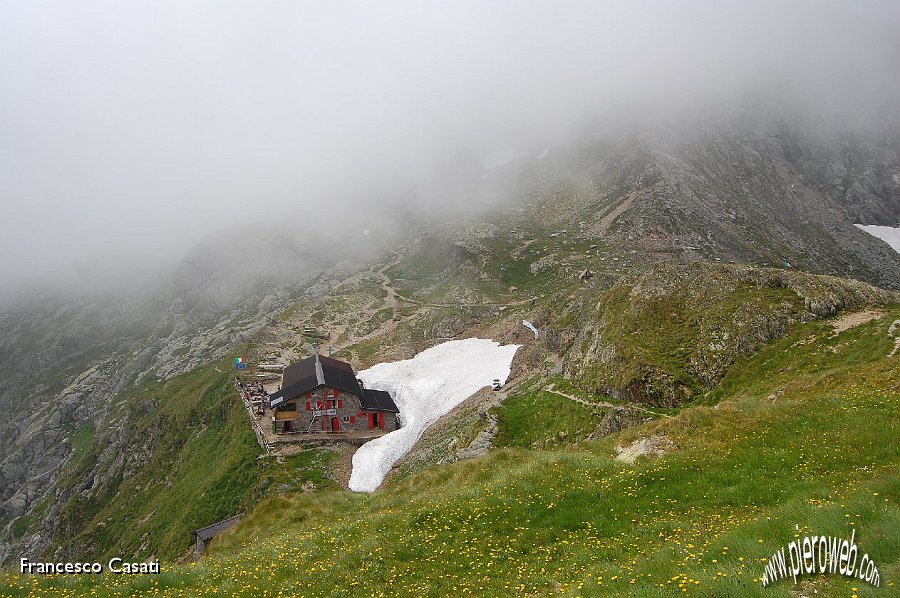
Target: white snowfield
{"type": "Point", "coordinates": [888, 234]}
{"type": "Point", "coordinates": [426, 387]}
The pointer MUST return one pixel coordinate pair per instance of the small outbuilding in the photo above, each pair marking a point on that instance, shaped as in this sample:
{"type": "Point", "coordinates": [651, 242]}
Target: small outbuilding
{"type": "Point", "coordinates": [203, 536]}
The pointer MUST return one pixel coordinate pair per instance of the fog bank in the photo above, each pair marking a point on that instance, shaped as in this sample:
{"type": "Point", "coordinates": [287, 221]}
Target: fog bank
{"type": "Point", "coordinates": [129, 131]}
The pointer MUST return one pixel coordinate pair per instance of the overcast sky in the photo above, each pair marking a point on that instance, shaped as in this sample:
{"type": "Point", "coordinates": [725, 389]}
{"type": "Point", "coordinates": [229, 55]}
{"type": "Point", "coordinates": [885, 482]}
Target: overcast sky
{"type": "Point", "coordinates": [129, 130]}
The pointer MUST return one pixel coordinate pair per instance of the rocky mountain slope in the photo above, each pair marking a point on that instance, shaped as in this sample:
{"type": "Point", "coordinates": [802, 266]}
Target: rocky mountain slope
{"type": "Point", "coordinates": [521, 488]}
{"type": "Point", "coordinates": [76, 425]}
{"type": "Point", "coordinates": [754, 190]}
{"type": "Point", "coordinates": [610, 247]}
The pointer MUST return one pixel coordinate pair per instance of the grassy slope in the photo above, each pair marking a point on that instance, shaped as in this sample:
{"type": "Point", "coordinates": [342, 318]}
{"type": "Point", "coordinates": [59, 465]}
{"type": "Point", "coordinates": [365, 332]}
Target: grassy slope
{"type": "Point", "coordinates": [667, 336]}
{"type": "Point", "coordinates": [802, 440]}
{"type": "Point", "coordinates": [544, 420]}
{"type": "Point", "coordinates": [195, 424]}
{"type": "Point", "coordinates": [203, 468]}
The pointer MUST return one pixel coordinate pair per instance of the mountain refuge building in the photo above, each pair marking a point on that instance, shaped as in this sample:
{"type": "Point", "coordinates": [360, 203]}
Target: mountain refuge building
{"type": "Point", "coordinates": [323, 395]}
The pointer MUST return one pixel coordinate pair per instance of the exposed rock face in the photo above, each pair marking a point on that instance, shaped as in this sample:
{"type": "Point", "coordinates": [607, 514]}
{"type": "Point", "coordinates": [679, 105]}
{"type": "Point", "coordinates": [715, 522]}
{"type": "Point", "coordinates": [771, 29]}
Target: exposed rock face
{"type": "Point", "coordinates": [757, 190]}
{"type": "Point", "coordinates": [655, 445]}
{"type": "Point", "coordinates": [617, 420]}
{"type": "Point", "coordinates": [538, 266]}
{"type": "Point", "coordinates": [65, 365]}
{"type": "Point", "coordinates": [662, 336]}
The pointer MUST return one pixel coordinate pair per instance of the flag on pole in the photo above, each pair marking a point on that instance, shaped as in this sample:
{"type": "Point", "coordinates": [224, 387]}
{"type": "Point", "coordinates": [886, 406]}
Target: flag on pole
{"type": "Point", "coordinates": [240, 363]}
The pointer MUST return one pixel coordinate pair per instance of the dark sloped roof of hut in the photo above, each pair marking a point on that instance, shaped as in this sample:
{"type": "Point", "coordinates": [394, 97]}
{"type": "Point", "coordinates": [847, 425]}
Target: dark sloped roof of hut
{"type": "Point", "coordinates": [315, 371]}
{"type": "Point", "coordinates": [378, 400]}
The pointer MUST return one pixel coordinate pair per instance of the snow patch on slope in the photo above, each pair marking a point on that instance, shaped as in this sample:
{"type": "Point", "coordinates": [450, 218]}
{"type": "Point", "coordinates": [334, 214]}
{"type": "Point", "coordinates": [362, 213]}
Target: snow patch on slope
{"type": "Point", "coordinates": [888, 234]}
{"type": "Point", "coordinates": [426, 387]}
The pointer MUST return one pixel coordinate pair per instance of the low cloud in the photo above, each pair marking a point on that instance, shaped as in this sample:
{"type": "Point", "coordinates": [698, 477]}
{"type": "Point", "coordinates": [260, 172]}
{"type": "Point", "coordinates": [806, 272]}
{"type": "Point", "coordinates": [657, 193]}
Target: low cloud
{"type": "Point", "coordinates": [129, 131]}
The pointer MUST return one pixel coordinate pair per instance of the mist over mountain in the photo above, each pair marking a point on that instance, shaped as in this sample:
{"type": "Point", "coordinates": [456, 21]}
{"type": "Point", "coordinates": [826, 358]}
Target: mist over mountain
{"type": "Point", "coordinates": [130, 132]}
{"type": "Point", "coordinates": [668, 192]}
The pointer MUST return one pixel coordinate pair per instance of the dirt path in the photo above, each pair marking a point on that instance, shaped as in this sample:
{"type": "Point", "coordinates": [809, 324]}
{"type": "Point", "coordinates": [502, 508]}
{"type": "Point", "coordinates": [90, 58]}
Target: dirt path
{"type": "Point", "coordinates": [894, 331]}
{"type": "Point", "coordinates": [549, 388]}
{"type": "Point", "coordinates": [479, 304]}
{"type": "Point", "coordinates": [394, 299]}
{"type": "Point", "coordinates": [848, 321]}
{"type": "Point", "coordinates": [519, 251]}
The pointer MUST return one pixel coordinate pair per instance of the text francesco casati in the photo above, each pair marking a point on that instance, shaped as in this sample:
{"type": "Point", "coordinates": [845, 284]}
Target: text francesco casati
{"type": "Point", "coordinates": [115, 565]}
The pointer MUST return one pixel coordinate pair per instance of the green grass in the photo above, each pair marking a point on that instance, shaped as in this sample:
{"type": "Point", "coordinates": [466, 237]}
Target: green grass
{"type": "Point", "coordinates": [191, 460]}
{"type": "Point", "coordinates": [200, 439]}
{"type": "Point", "coordinates": [668, 336]}
{"type": "Point", "coordinates": [20, 525]}
{"type": "Point", "coordinates": [82, 440]}
{"type": "Point", "coordinates": [365, 352]}
{"type": "Point", "coordinates": [749, 474]}
{"type": "Point", "coordinates": [545, 420]}
{"type": "Point", "coordinates": [378, 318]}
{"type": "Point", "coordinates": [299, 470]}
